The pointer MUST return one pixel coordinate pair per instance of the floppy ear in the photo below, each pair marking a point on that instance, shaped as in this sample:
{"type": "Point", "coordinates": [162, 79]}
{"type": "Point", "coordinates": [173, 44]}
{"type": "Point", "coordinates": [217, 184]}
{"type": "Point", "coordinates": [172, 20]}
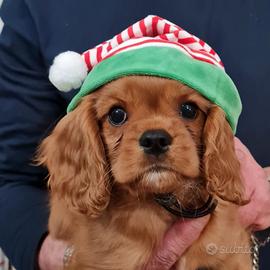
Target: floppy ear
{"type": "Point", "coordinates": [75, 157]}
{"type": "Point", "coordinates": [221, 166]}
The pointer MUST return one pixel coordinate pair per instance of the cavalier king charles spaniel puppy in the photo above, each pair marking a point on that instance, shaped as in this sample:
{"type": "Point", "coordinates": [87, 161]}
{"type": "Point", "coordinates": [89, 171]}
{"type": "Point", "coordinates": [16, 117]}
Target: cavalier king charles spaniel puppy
{"type": "Point", "coordinates": [128, 145]}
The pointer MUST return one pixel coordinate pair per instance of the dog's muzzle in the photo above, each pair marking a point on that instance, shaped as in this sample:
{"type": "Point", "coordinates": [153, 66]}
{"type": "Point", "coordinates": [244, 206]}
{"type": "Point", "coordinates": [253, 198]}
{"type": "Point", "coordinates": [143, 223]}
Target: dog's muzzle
{"type": "Point", "coordinates": [155, 142]}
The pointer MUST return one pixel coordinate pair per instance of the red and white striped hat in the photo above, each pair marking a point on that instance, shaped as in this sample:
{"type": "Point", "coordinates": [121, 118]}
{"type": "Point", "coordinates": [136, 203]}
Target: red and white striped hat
{"type": "Point", "coordinates": [152, 46]}
{"type": "Point", "coordinates": [150, 31]}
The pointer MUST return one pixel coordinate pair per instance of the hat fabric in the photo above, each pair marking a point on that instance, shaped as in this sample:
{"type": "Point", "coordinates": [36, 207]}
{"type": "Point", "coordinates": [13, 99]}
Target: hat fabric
{"type": "Point", "coordinates": [154, 47]}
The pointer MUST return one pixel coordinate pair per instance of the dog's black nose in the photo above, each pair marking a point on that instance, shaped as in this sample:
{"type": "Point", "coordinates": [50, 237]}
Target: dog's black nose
{"type": "Point", "coordinates": [155, 142]}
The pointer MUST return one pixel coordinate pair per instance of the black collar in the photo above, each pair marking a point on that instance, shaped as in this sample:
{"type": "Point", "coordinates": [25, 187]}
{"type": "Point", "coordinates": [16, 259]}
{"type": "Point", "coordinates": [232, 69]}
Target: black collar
{"type": "Point", "coordinates": [171, 204]}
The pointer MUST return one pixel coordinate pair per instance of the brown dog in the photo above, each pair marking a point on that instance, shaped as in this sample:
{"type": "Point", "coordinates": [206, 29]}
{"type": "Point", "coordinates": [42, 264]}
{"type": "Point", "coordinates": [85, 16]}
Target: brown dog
{"type": "Point", "coordinates": [134, 138]}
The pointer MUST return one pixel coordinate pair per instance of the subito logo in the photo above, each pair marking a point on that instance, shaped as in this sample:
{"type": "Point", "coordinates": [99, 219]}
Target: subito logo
{"type": "Point", "coordinates": [211, 249]}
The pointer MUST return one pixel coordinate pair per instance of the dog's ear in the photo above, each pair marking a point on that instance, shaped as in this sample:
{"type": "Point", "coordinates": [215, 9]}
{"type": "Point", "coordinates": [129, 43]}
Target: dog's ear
{"type": "Point", "coordinates": [221, 167]}
{"type": "Point", "coordinates": [75, 157]}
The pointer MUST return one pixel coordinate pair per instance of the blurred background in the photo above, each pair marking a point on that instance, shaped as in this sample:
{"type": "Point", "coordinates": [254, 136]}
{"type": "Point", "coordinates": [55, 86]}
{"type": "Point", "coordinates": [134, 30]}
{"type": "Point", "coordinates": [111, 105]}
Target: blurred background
{"type": "Point", "coordinates": [1, 22]}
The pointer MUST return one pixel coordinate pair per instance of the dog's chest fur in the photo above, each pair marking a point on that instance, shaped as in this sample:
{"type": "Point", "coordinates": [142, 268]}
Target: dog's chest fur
{"type": "Point", "coordinates": [135, 231]}
{"type": "Point", "coordinates": [133, 234]}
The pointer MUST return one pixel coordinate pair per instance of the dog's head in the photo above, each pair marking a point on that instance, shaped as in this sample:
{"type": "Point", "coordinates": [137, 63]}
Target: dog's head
{"type": "Point", "coordinates": [148, 135]}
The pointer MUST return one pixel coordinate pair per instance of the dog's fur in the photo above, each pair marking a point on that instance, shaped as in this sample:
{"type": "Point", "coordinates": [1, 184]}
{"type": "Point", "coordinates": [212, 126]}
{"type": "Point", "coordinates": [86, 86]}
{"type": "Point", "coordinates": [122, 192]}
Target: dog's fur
{"type": "Point", "coordinates": [103, 184]}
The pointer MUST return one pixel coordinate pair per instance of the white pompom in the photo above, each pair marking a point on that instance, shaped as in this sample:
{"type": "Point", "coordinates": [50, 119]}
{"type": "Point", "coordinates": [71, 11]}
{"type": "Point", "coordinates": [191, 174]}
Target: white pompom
{"type": "Point", "coordinates": [68, 71]}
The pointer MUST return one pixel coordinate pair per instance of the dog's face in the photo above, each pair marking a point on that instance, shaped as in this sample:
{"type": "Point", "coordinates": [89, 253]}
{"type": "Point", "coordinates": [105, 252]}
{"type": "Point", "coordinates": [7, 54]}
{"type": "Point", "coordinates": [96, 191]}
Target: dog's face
{"type": "Point", "coordinates": [152, 129]}
{"type": "Point", "coordinates": [148, 135]}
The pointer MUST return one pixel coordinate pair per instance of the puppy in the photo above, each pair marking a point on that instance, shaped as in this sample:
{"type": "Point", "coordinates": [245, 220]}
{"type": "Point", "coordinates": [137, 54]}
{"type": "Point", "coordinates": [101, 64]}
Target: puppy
{"type": "Point", "coordinates": [135, 138]}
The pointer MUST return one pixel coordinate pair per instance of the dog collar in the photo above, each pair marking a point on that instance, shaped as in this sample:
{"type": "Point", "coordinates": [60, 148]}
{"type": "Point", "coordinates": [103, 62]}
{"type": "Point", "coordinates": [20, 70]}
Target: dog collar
{"type": "Point", "coordinates": [171, 204]}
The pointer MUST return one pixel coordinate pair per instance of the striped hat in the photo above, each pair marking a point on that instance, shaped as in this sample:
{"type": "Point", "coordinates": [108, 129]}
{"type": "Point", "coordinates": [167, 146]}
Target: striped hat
{"type": "Point", "coordinates": [155, 47]}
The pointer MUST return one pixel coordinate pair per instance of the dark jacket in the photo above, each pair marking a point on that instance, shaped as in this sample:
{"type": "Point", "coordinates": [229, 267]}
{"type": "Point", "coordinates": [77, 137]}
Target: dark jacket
{"type": "Point", "coordinates": [36, 30]}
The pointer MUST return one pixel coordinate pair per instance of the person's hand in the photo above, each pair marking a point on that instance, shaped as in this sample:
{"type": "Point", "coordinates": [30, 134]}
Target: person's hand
{"type": "Point", "coordinates": [175, 242]}
{"type": "Point", "coordinates": [179, 237]}
{"type": "Point", "coordinates": [255, 214]}
{"type": "Point", "coordinates": [267, 171]}
{"type": "Point", "coordinates": [51, 254]}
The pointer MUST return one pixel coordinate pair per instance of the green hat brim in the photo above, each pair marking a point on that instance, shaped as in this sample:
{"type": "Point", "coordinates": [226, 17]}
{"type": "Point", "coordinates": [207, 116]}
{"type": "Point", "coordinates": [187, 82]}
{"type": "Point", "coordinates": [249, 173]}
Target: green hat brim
{"type": "Point", "coordinates": [210, 81]}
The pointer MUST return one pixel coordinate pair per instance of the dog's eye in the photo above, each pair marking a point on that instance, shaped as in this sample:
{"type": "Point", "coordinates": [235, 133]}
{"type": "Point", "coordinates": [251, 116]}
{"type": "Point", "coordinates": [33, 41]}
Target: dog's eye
{"type": "Point", "coordinates": [117, 116]}
{"type": "Point", "coordinates": [189, 110]}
